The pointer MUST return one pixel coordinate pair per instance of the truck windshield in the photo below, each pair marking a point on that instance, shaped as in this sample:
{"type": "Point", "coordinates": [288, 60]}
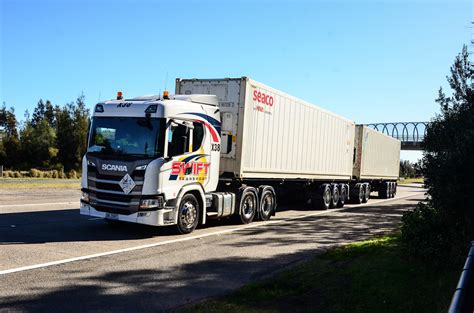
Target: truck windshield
{"type": "Point", "coordinates": [127, 136]}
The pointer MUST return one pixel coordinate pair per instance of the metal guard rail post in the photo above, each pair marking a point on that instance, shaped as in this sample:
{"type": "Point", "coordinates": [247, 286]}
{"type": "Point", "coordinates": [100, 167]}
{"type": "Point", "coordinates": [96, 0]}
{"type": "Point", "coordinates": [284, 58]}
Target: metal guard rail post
{"type": "Point", "coordinates": [463, 298]}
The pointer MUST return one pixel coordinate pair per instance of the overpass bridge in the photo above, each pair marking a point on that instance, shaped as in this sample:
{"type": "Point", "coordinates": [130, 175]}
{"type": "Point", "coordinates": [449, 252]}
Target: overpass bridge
{"type": "Point", "coordinates": [411, 134]}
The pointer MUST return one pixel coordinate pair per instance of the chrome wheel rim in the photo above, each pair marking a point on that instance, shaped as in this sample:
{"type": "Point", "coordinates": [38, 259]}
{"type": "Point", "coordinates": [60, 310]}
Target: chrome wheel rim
{"type": "Point", "coordinates": [267, 205]}
{"type": "Point", "coordinates": [188, 214]}
{"type": "Point", "coordinates": [248, 207]}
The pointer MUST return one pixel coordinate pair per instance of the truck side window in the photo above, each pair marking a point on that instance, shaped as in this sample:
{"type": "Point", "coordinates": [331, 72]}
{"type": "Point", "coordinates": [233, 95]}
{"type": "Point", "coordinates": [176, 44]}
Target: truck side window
{"type": "Point", "coordinates": [178, 141]}
{"type": "Point", "coordinates": [198, 136]}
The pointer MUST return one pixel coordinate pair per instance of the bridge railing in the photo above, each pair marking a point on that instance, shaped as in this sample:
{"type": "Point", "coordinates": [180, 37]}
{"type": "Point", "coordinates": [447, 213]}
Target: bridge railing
{"type": "Point", "coordinates": [413, 132]}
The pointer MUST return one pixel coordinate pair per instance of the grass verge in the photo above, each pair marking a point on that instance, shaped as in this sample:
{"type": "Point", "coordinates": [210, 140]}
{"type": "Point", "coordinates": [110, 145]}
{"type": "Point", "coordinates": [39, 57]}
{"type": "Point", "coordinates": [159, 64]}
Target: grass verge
{"type": "Point", "coordinates": [370, 276]}
{"type": "Point", "coordinates": [417, 180]}
{"type": "Point", "coordinates": [39, 183]}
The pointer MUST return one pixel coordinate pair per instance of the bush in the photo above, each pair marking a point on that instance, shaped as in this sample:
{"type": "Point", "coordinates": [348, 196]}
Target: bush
{"type": "Point", "coordinates": [440, 230]}
{"type": "Point", "coordinates": [72, 174]}
{"type": "Point", "coordinates": [428, 235]}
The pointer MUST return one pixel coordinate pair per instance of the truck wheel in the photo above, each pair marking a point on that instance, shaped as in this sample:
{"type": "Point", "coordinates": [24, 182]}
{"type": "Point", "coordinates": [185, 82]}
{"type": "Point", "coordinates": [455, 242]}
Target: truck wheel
{"type": "Point", "coordinates": [357, 195]}
{"type": "Point", "coordinates": [334, 197]}
{"type": "Point", "coordinates": [384, 191]}
{"type": "Point", "coordinates": [248, 205]}
{"type": "Point", "coordinates": [394, 189]}
{"type": "Point", "coordinates": [267, 203]}
{"type": "Point", "coordinates": [188, 214]}
{"type": "Point", "coordinates": [323, 200]}
{"type": "Point", "coordinates": [342, 197]}
{"type": "Point", "coordinates": [366, 193]}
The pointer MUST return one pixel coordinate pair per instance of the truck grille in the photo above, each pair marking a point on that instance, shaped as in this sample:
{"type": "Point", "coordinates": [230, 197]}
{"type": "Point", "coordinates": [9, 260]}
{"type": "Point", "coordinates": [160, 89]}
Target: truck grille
{"type": "Point", "coordinates": [106, 195]}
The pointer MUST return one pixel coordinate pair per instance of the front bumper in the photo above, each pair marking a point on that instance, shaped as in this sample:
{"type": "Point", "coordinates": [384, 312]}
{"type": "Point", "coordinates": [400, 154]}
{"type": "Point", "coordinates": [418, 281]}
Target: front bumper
{"type": "Point", "coordinates": [160, 217]}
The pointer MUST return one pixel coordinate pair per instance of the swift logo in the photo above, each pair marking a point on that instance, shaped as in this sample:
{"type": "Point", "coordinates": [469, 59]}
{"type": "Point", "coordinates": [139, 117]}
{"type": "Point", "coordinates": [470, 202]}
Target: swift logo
{"type": "Point", "coordinates": [191, 168]}
{"type": "Point", "coordinates": [113, 167]}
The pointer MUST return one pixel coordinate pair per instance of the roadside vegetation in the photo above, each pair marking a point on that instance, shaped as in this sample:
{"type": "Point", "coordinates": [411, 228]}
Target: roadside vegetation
{"type": "Point", "coordinates": [370, 276]}
{"type": "Point", "coordinates": [415, 180]}
{"type": "Point", "coordinates": [39, 183]}
{"type": "Point", "coordinates": [440, 229]}
{"type": "Point", "coordinates": [53, 138]}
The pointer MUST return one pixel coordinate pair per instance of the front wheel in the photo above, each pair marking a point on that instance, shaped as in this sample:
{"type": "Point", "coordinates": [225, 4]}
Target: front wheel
{"type": "Point", "coordinates": [188, 214]}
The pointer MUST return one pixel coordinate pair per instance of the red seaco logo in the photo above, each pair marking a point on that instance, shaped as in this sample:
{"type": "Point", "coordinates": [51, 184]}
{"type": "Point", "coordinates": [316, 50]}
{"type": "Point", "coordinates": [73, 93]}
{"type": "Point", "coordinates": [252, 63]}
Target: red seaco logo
{"type": "Point", "coordinates": [191, 168]}
{"type": "Point", "coordinates": [263, 98]}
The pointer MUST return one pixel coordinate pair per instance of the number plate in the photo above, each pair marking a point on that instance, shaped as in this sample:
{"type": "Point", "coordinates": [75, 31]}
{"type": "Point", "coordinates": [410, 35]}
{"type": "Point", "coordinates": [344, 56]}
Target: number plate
{"type": "Point", "coordinates": [111, 216]}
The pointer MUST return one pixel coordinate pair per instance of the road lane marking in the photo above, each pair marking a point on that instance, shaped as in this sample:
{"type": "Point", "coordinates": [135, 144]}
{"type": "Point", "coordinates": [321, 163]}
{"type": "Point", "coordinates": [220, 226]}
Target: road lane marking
{"type": "Point", "coordinates": [36, 204]}
{"type": "Point", "coordinates": [222, 232]}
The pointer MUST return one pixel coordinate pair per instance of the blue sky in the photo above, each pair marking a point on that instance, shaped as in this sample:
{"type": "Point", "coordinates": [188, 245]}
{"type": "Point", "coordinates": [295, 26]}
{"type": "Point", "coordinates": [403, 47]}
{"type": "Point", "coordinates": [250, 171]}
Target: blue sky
{"type": "Point", "coordinates": [370, 61]}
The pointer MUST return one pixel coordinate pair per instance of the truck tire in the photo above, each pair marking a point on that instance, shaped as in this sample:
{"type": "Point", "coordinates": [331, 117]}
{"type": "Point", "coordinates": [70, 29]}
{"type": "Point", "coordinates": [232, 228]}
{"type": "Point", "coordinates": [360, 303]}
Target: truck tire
{"type": "Point", "coordinates": [188, 214]}
{"type": "Point", "coordinates": [267, 203]}
{"type": "Point", "coordinates": [357, 195]}
{"type": "Point", "coordinates": [384, 191]}
{"type": "Point", "coordinates": [335, 195]}
{"type": "Point", "coordinates": [248, 205]}
{"type": "Point", "coordinates": [342, 197]}
{"type": "Point", "coordinates": [394, 189]}
{"type": "Point", "coordinates": [322, 200]}
{"type": "Point", "coordinates": [366, 193]}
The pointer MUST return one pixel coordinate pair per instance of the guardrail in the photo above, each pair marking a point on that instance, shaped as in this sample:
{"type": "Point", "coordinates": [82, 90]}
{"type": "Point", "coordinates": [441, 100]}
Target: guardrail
{"type": "Point", "coordinates": [463, 298]}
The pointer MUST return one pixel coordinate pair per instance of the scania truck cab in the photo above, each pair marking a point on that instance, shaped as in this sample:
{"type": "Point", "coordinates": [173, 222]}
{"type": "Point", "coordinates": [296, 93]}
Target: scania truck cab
{"type": "Point", "coordinates": [153, 160]}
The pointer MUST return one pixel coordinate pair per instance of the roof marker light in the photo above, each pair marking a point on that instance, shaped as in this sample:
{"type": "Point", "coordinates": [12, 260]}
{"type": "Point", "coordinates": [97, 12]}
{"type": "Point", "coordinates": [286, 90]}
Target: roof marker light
{"type": "Point", "coordinates": [166, 95]}
{"type": "Point", "coordinates": [99, 108]}
{"type": "Point", "coordinates": [119, 95]}
{"type": "Point", "coordinates": [151, 108]}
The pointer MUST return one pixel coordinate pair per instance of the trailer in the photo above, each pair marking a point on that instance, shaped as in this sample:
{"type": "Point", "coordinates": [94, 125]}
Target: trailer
{"type": "Point", "coordinates": [376, 164]}
{"type": "Point", "coordinates": [222, 148]}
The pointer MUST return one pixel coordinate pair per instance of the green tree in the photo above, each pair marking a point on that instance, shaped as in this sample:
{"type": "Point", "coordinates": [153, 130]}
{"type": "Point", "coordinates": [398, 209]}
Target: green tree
{"type": "Point", "coordinates": [72, 126]}
{"type": "Point", "coordinates": [11, 142]}
{"type": "Point", "coordinates": [407, 169]}
{"type": "Point", "coordinates": [38, 143]}
{"type": "Point", "coordinates": [442, 228]}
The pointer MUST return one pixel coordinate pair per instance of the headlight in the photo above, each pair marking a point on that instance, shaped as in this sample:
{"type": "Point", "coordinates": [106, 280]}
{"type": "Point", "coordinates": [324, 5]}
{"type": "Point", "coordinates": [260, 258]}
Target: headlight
{"type": "Point", "coordinates": [85, 197]}
{"type": "Point", "coordinates": [154, 203]}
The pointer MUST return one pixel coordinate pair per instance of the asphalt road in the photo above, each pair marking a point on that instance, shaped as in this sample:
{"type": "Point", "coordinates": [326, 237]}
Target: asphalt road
{"type": "Point", "coordinates": [54, 260]}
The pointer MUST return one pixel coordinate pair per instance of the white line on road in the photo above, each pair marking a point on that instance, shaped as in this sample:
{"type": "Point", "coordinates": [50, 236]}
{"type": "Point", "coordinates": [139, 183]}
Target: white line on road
{"type": "Point", "coordinates": [36, 204]}
{"type": "Point", "coordinates": [156, 244]}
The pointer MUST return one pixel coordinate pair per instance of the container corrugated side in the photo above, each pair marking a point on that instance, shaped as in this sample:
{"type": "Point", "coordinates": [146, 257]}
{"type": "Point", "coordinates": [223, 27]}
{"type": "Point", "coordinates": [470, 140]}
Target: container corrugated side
{"type": "Point", "coordinates": [377, 155]}
{"type": "Point", "coordinates": [288, 138]}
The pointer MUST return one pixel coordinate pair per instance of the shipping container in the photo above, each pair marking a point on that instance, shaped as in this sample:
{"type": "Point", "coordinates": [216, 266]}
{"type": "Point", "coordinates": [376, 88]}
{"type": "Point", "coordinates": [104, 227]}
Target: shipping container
{"type": "Point", "coordinates": [377, 156]}
{"type": "Point", "coordinates": [268, 134]}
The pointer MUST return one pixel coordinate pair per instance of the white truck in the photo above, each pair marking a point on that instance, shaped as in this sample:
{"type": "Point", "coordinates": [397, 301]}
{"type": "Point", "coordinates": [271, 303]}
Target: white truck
{"type": "Point", "coordinates": [226, 147]}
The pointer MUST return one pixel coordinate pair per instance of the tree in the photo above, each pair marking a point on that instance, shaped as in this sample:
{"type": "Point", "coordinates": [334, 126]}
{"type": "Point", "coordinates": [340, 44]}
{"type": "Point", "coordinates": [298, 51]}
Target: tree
{"type": "Point", "coordinates": [72, 126]}
{"type": "Point", "coordinates": [11, 142]}
{"type": "Point", "coordinates": [38, 113]}
{"type": "Point", "coordinates": [406, 169]}
{"type": "Point", "coordinates": [38, 144]}
{"type": "Point", "coordinates": [446, 223]}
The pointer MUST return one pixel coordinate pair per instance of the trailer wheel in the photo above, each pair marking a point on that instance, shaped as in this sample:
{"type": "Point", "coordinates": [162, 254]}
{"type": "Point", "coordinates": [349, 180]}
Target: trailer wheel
{"type": "Point", "coordinates": [248, 205]}
{"type": "Point", "coordinates": [366, 193]}
{"type": "Point", "coordinates": [267, 203]}
{"type": "Point", "coordinates": [342, 197]}
{"type": "Point", "coordinates": [384, 191]}
{"type": "Point", "coordinates": [188, 214]}
{"type": "Point", "coordinates": [394, 189]}
{"type": "Point", "coordinates": [357, 193]}
{"type": "Point", "coordinates": [323, 200]}
{"type": "Point", "coordinates": [334, 197]}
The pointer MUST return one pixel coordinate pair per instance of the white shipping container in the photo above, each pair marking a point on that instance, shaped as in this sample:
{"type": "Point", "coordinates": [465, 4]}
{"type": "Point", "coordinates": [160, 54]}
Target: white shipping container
{"type": "Point", "coordinates": [268, 134]}
{"type": "Point", "coordinates": [377, 156]}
